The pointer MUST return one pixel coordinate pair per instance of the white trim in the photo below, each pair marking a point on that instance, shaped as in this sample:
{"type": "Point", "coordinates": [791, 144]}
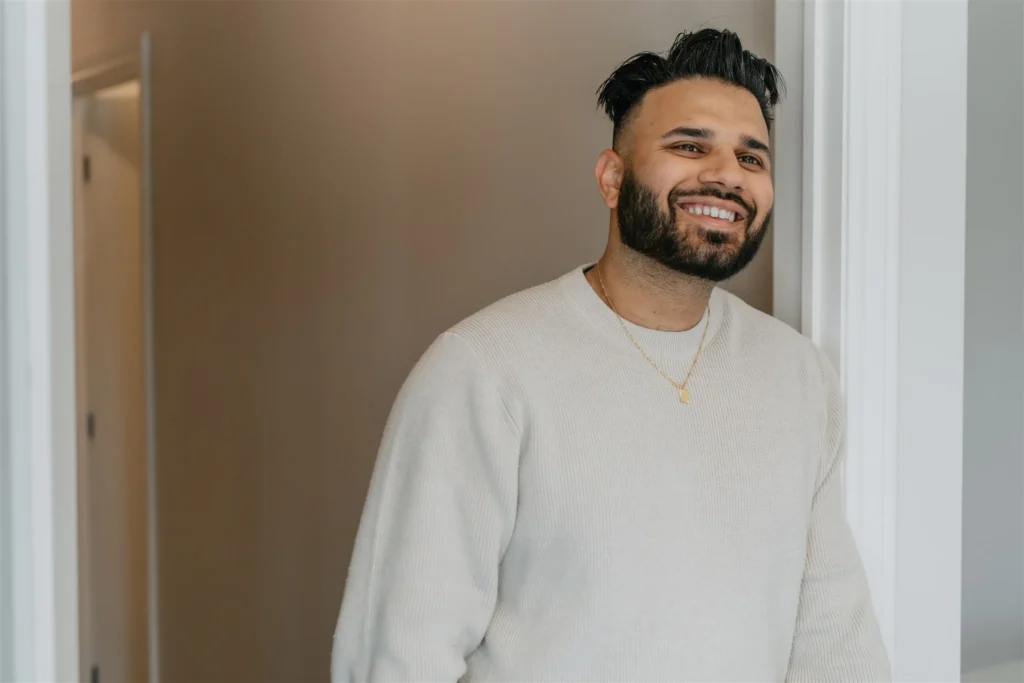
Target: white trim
{"type": "Point", "coordinates": [36, 118]}
{"type": "Point", "coordinates": [883, 295]}
{"type": "Point", "coordinates": [6, 484]}
{"type": "Point", "coordinates": [149, 339]}
{"type": "Point", "coordinates": [870, 289]}
{"type": "Point", "coordinates": [822, 172]}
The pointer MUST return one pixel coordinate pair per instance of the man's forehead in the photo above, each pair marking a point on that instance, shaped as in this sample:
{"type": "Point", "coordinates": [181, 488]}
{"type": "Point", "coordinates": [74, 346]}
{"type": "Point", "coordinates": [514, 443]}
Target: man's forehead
{"type": "Point", "coordinates": [704, 104]}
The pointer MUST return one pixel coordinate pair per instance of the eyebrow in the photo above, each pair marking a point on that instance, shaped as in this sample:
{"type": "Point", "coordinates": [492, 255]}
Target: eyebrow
{"type": "Point", "coordinates": [706, 134]}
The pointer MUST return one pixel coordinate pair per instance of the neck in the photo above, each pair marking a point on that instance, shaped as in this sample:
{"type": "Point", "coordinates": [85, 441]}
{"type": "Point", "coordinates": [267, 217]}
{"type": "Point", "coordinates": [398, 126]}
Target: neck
{"type": "Point", "coordinates": [647, 293]}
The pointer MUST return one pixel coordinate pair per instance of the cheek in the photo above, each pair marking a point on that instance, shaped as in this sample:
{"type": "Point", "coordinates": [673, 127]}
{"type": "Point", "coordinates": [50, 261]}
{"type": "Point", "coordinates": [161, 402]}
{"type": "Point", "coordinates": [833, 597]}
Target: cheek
{"type": "Point", "coordinates": [668, 174]}
{"type": "Point", "coordinates": [764, 196]}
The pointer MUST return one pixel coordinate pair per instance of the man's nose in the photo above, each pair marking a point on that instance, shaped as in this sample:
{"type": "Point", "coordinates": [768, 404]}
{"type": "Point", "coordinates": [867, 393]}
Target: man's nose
{"type": "Point", "coordinates": [722, 170]}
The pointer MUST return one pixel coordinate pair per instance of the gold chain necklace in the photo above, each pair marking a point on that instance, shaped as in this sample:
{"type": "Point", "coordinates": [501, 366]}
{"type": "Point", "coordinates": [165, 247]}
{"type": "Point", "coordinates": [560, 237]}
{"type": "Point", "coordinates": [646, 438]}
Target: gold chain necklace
{"type": "Point", "coordinates": [684, 393]}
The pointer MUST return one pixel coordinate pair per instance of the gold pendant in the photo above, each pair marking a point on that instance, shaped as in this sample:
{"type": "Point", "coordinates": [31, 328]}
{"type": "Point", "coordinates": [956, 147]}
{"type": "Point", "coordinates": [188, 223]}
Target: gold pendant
{"type": "Point", "coordinates": [684, 395]}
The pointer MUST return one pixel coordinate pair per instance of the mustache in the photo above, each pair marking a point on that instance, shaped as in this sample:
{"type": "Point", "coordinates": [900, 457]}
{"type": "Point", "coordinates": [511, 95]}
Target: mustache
{"type": "Point", "coordinates": [678, 193]}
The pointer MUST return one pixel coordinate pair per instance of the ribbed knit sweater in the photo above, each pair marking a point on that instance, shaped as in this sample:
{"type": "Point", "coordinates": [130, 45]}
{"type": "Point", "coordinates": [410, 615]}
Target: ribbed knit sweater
{"type": "Point", "coordinates": [544, 508]}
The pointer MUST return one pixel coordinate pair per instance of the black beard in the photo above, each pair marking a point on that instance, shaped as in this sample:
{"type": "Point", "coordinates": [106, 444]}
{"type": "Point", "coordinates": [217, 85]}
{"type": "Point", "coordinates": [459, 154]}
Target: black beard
{"type": "Point", "coordinates": [705, 254]}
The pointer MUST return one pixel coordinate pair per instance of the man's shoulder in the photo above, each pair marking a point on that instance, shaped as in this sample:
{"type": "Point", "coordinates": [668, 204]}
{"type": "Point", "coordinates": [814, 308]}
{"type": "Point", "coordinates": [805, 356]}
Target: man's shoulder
{"type": "Point", "coordinates": [748, 318]}
{"type": "Point", "coordinates": [750, 325]}
{"type": "Point", "coordinates": [514, 320]}
{"type": "Point", "coordinates": [490, 348]}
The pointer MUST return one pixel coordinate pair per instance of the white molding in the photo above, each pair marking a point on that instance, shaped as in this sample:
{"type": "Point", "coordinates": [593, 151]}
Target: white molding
{"type": "Point", "coordinates": [146, 113]}
{"type": "Point", "coordinates": [35, 115]}
{"type": "Point", "coordinates": [869, 324]}
{"type": "Point", "coordinates": [883, 243]}
{"type": "Point", "coordinates": [821, 218]}
{"type": "Point", "coordinates": [6, 484]}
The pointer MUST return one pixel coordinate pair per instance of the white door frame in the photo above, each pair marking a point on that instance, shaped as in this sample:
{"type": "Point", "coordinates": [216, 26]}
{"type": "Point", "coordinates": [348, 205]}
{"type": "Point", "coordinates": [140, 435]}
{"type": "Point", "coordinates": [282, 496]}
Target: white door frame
{"type": "Point", "coordinates": [6, 540]}
{"type": "Point", "coordinates": [88, 77]}
{"type": "Point", "coordinates": [40, 556]}
{"type": "Point", "coordinates": [880, 83]}
{"type": "Point", "coordinates": [881, 242]}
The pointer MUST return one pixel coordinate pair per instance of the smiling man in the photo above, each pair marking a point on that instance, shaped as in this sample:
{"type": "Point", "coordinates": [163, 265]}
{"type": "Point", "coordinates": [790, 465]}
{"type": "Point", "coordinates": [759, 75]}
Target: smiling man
{"type": "Point", "coordinates": [626, 474]}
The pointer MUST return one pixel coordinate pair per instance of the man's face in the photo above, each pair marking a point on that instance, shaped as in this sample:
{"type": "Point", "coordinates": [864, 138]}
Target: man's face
{"type": "Point", "coordinates": [696, 189]}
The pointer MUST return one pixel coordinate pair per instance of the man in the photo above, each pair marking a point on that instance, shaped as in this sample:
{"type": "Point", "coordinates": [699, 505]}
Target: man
{"type": "Point", "coordinates": [625, 474]}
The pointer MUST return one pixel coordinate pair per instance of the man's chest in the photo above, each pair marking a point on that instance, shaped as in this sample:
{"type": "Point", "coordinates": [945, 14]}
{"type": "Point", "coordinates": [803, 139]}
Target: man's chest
{"type": "Point", "coordinates": [609, 461]}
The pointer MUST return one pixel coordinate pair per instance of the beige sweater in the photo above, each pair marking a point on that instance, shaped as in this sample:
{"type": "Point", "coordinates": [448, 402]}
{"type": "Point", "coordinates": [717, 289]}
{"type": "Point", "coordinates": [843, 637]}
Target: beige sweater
{"type": "Point", "coordinates": [545, 509]}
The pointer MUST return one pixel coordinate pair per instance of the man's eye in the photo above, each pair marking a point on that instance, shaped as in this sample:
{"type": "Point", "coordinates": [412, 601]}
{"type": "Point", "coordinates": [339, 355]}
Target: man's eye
{"type": "Point", "coordinates": [747, 159]}
{"type": "Point", "coordinates": [688, 147]}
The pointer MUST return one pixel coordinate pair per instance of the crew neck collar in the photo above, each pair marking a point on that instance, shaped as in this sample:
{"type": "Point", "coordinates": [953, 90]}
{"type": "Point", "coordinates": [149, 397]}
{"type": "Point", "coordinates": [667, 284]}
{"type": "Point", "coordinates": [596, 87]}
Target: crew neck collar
{"type": "Point", "coordinates": [657, 343]}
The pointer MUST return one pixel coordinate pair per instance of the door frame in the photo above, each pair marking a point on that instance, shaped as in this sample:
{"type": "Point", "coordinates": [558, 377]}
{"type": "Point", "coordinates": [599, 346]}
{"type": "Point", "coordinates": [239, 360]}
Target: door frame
{"type": "Point", "coordinates": [877, 83]}
{"type": "Point", "coordinates": [88, 77]}
{"type": "Point", "coordinates": [37, 450]}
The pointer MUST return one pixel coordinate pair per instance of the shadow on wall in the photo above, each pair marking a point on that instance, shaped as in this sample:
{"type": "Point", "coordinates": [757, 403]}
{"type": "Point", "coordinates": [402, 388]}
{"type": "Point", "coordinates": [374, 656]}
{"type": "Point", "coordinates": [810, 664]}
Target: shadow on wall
{"type": "Point", "coordinates": [993, 503]}
{"type": "Point", "coordinates": [335, 184]}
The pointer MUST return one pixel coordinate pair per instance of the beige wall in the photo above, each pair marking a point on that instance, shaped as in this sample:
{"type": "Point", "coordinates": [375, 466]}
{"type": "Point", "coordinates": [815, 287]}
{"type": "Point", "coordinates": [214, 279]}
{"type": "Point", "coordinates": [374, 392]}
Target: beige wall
{"type": "Point", "coordinates": [334, 184]}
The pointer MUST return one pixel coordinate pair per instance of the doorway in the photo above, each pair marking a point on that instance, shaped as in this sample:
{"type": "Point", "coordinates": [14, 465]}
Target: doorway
{"type": "Point", "coordinates": [113, 373]}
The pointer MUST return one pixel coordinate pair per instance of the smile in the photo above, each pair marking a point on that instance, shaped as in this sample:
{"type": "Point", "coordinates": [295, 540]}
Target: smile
{"type": "Point", "coordinates": [711, 211]}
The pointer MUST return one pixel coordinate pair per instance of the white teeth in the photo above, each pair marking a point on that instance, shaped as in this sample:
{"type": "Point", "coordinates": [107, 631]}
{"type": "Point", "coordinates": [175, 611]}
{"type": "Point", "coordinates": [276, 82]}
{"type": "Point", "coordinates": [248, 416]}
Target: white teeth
{"type": "Point", "coordinates": [712, 211]}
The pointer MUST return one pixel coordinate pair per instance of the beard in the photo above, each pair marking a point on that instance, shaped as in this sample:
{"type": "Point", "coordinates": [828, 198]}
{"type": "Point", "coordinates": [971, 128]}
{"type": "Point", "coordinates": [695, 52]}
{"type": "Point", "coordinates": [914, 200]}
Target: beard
{"type": "Point", "coordinates": [692, 250]}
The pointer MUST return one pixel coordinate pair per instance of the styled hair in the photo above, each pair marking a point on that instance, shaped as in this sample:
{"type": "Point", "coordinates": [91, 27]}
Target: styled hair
{"type": "Point", "coordinates": [708, 53]}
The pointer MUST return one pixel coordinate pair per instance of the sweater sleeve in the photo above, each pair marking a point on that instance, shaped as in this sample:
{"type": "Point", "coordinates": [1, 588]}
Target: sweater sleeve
{"type": "Point", "coordinates": [837, 635]}
{"type": "Point", "coordinates": [423, 579]}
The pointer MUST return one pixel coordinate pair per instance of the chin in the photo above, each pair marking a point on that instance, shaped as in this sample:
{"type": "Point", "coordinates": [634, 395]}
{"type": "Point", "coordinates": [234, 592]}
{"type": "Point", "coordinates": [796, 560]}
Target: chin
{"type": "Point", "coordinates": [715, 244]}
{"type": "Point", "coordinates": [711, 262]}
{"type": "Point", "coordinates": [702, 234]}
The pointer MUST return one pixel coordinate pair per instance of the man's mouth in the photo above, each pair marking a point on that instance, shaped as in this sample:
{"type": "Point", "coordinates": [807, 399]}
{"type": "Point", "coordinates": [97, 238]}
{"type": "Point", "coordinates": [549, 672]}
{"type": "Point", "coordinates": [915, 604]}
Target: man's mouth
{"type": "Point", "coordinates": [717, 212]}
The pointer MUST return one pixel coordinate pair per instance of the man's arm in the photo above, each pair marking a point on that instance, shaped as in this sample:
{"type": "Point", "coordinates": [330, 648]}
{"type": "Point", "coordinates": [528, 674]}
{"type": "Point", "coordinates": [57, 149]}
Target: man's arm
{"type": "Point", "coordinates": [423, 579]}
{"type": "Point", "coordinates": [837, 635]}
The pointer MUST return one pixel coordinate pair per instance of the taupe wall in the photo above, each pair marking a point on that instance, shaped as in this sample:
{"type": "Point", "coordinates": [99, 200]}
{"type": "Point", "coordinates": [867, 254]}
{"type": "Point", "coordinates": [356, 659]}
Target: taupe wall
{"type": "Point", "coordinates": [334, 184]}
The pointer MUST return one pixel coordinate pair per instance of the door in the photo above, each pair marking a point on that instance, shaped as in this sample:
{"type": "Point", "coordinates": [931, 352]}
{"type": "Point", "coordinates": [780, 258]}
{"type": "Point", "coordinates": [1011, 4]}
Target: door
{"type": "Point", "coordinates": [111, 386]}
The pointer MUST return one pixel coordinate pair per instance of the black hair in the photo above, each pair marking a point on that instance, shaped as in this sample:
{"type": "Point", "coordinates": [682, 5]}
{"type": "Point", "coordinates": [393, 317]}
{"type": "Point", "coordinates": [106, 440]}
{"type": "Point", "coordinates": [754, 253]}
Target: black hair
{"type": "Point", "coordinates": [707, 53]}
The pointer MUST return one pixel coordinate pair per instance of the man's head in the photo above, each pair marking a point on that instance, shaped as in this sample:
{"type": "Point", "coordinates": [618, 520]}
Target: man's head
{"type": "Point", "coordinates": [689, 173]}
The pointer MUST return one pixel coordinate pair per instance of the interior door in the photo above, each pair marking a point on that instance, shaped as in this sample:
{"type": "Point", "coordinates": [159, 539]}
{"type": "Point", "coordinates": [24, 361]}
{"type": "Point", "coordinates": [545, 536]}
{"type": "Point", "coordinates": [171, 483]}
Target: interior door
{"type": "Point", "coordinates": [112, 392]}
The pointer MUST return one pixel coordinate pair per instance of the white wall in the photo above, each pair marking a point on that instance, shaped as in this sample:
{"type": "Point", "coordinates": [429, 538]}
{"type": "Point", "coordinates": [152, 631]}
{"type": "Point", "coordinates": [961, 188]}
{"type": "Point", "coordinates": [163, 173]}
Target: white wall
{"type": "Point", "coordinates": [993, 504]}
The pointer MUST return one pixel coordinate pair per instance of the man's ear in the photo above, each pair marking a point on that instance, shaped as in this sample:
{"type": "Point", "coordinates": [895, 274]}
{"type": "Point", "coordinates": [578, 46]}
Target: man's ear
{"type": "Point", "coordinates": [608, 172]}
